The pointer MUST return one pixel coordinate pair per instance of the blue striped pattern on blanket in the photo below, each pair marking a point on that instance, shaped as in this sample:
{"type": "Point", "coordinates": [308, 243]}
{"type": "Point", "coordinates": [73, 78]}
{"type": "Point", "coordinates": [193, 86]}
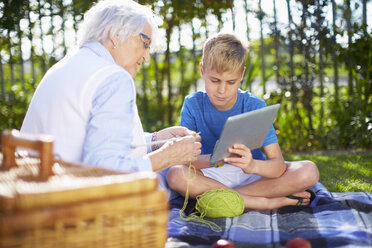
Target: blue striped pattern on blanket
{"type": "Point", "coordinates": [332, 220]}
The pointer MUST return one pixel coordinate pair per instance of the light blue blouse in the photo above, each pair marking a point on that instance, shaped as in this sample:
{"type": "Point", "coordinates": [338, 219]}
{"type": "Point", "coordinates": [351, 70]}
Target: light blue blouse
{"type": "Point", "coordinates": [109, 130]}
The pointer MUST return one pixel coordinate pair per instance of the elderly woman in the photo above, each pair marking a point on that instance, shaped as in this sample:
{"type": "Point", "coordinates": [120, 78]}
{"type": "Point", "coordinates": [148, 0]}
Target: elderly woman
{"type": "Point", "coordinates": [87, 101]}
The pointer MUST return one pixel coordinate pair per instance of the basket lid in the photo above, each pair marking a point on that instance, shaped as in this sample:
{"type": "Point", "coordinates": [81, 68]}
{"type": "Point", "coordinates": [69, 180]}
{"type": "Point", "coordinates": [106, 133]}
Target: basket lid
{"type": "Point", "coordinates": [22, 188]}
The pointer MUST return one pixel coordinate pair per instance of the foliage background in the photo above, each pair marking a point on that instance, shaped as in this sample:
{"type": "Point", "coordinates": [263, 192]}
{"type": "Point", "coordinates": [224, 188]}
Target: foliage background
{"type": "Point", "coordinates": [340, 171]}
{"type": "Point", "coordinates": [305, 57]}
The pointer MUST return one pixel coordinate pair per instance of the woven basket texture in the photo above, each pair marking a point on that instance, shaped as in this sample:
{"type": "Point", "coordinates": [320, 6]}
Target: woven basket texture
{"type": "Point", "coordinates": [79, 206]}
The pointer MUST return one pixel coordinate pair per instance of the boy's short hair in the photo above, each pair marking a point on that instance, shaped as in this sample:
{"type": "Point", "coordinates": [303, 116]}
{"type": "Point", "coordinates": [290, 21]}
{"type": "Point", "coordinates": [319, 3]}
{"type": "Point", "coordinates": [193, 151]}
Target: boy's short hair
{"type": "Point", "coordinates": [224, 52]}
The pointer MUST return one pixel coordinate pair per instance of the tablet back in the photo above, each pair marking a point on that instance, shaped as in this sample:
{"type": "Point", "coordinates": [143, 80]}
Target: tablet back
{"type": "Point", "coordinates": [249, 128]}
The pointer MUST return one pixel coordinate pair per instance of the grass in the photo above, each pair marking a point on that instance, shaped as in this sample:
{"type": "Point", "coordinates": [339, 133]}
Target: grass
{"type": "Point", "coordinates": [341, 172]}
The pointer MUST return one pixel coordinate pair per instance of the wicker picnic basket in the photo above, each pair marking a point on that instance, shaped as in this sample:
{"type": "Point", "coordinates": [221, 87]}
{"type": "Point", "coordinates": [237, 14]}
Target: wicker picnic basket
{"type": "Point", "coordinates": [49, 203]}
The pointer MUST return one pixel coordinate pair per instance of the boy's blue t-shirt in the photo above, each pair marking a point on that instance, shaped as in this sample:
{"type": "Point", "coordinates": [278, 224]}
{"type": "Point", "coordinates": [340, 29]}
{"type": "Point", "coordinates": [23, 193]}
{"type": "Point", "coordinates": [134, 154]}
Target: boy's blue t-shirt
{"type": "Point", "coordinates": [198, 114]}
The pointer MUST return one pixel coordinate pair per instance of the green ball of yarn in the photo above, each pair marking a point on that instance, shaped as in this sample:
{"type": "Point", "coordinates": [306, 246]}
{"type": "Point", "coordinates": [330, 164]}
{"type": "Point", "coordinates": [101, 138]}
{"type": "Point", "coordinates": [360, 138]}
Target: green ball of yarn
{"type": "Point", "coordinates": [219, 203]}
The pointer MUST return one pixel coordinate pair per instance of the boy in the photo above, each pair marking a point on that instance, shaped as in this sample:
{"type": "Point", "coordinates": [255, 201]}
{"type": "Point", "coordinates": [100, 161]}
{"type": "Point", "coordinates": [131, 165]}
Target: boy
{"type": "Point", "coordinates": [263, 183]}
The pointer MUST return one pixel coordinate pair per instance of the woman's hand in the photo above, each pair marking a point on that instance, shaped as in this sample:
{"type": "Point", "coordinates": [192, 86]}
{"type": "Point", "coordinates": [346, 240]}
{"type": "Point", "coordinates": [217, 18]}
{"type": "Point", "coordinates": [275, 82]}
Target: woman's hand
{"type": "Point", "coordinates": [175, 132]}
{"type": "Point", "coordinates": [181, 151]}
{"type": "Point", "coordinates": [243, 160]}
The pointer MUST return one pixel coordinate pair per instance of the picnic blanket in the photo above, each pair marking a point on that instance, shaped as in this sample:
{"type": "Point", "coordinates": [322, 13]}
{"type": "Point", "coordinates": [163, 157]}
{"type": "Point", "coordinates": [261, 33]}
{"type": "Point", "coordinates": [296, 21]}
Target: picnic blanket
{"type": "Point", "coordinates": [332, 220]}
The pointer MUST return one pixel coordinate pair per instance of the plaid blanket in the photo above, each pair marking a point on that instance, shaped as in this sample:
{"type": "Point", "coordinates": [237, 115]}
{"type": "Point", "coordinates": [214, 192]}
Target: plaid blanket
{"type": "Point", "coordinates": [332, 220]}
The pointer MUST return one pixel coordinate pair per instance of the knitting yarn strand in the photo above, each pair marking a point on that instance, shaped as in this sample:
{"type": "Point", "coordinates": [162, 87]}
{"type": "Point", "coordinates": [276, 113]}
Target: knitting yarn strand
{"type": "Point", "coordinates": [213, 226]}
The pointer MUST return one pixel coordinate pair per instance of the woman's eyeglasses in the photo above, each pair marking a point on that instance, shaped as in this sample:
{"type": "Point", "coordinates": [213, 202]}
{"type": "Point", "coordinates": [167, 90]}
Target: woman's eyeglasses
{"type": "Point", "coordinates": [145, 40]}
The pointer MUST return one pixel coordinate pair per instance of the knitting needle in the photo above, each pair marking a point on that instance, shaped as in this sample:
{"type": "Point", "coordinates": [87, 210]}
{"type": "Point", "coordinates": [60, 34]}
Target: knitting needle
{"type": "Point", "coordinates": [158, 142]}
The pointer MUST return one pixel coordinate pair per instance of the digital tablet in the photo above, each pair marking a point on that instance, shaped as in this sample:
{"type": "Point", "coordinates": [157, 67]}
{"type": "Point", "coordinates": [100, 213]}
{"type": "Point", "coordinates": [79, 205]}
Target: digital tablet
{"type": "Point", "coordinates": [250, 128]}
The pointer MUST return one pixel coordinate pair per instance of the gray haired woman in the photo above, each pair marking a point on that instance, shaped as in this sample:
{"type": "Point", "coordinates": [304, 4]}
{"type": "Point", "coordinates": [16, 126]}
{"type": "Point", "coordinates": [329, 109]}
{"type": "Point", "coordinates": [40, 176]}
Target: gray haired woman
{"type": "Point", "coordinates": [87, 100]}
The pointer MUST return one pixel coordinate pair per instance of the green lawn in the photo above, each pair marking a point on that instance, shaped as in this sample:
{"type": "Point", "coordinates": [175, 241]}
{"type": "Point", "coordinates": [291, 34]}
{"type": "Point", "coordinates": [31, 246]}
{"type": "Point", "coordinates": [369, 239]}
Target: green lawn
{"type": "Point", "coordinates": [339, 172]}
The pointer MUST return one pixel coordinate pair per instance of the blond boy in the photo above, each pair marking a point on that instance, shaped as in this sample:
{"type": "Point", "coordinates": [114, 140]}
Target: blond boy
{"type": "Point", "coordinates": [264, 182]}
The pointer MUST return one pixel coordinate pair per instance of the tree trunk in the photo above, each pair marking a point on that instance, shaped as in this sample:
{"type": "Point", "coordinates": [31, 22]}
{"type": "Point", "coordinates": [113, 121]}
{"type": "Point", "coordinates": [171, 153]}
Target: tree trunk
{"type": "Point", "coordinates": [205, 25]}
{"type": "Point", "coordinates": [293, 88]}
{"type": "Point", "coordinates": [144, 100]}
{"type": "Point", "coordinates": [304, 38]}
{"type": "Point", "coordinates": [11, 59]}
{"type": "Point", "coordinates": [159, 88]}
{"type": "Point", "coordinates": [364, 21]}
{"type": "Point", "coordinates": [308, 87]}
{"type": "Point", "coordinates": [74, 14]}
{"type": "Point", "coordinates": [368, 84]}
{"type": "Point", "coordinates": [12, 80]}
{"type": "Point", "coordinates": [43, 65]}
{"type": "Point", "coordinates": [291, 45]}
{"type": "Point", "coordinates": [62, 14]}
{"type": "Point", "coordinates": [51, 29]}
{"type": "Point", "coordinates": [246, 19]}
{"type": "Point", "coordinates": [262, 48]}
{"type": "Point", "coordinates": [195, 75]}
{"type": "Point", "coordinates": [334, 52]}
{"type": "Point", "coordinates": [233, 17]}
{"type": "Point", "coordinates": [22, 72]}
{"type": "Point", "coordinates": [183, 90]}
{"type": "Point", "coordinates": [276, 45]}
{"type": "Point", "coordinates": [248, 65]}
{"type": "Point", "coordinates": [349, 41]}
{"type": "Point", "coordinates": [168, 68]}
{"type": "Point", "coordinates": [2, 78]}
{"type": "Point", "coordinates": [321, 81]}
{"type": "Point", "coordinates": [220, 22]}
{"type": "Point", "coordinates": [321, 65]}
{"type": "Point", "coordinates": [30, 37]}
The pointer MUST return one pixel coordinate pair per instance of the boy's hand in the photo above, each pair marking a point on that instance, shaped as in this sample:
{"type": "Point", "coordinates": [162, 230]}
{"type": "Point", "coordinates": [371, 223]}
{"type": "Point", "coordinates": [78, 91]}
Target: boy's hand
{"type": "Point", "coordinates": [243, 160]}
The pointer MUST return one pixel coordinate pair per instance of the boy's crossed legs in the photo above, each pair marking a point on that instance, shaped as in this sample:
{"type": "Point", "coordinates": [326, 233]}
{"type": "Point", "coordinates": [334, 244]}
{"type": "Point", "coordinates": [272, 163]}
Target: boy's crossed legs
{"type": "Point", "coordinates": [262, 194]}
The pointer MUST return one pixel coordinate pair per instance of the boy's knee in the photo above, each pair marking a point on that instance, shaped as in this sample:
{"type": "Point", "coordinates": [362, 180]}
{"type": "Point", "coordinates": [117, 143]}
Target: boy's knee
{"type": "Point", "coordinates": [311, 172]}
{"type": "Point", "coordinates": [175, 177]}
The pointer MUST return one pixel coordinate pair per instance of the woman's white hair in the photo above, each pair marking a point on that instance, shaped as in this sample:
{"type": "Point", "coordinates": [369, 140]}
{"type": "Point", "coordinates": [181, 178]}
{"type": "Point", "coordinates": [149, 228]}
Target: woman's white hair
{"type": "Point", "coordinates": [109, 17]}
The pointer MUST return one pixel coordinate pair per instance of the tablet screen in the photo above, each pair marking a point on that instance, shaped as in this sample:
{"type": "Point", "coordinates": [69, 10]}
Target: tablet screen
{"type": "Point", "coordinates": [250, 128]}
